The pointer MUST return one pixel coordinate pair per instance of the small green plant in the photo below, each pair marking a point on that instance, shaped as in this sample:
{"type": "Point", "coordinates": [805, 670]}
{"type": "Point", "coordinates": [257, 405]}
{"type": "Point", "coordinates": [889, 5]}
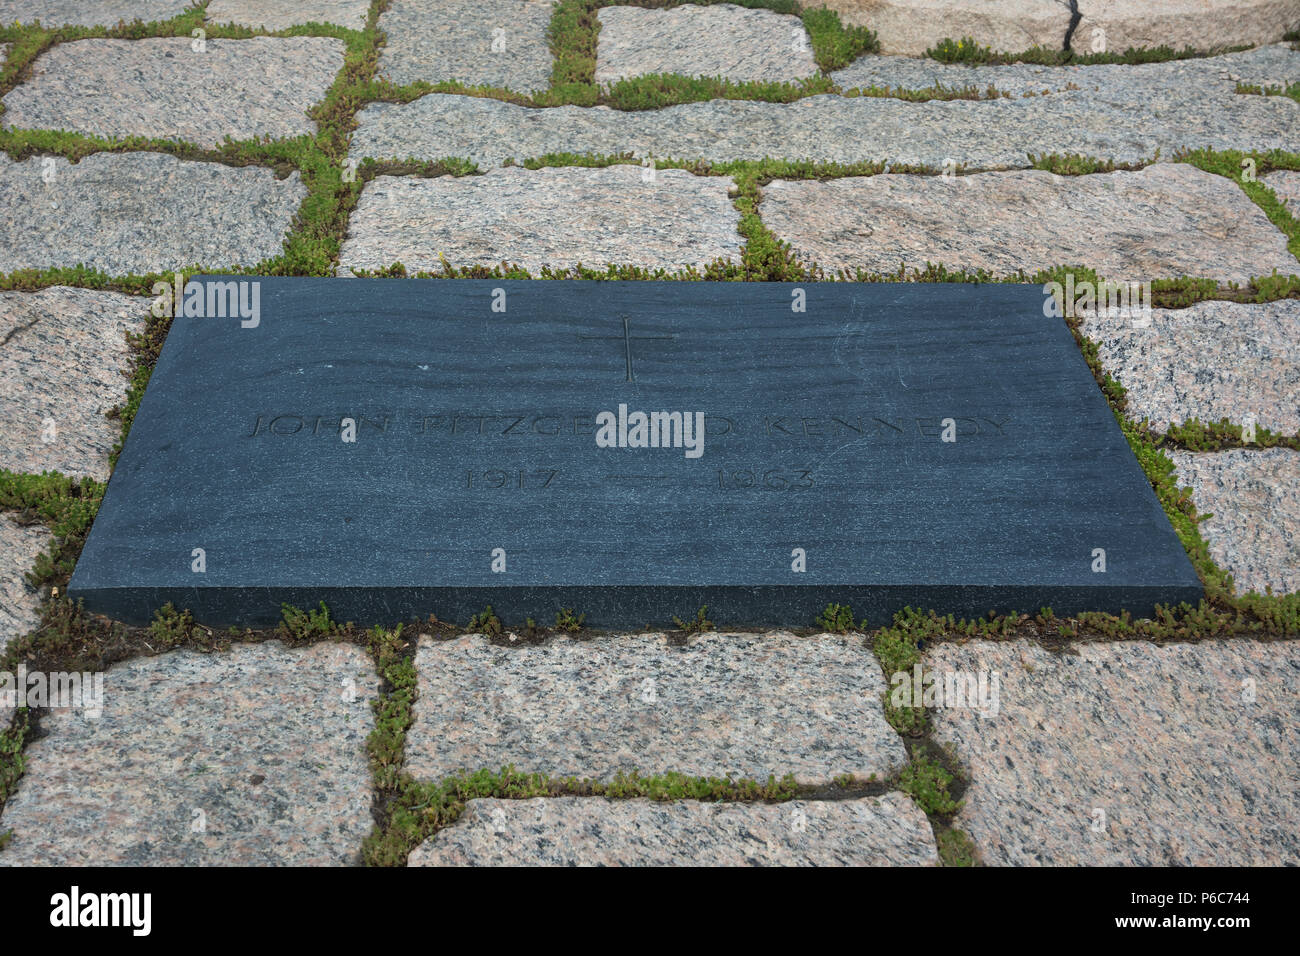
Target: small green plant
{"type": "Point", "coordinates": [965, 50]}
{"type": "Point", "coordinates": [927, 783]}
{"type": "Point", "coordinates": [301, 625]}
{"type": "Point", "coordinates": [957, 849]}
{"type": "Point", "coordinates": [486, 622]}
{"type": "Point", "coordinates": [12, 739]}
{"type": "Point", "coordinates": [696, 626]}
{"type": "Point", "coordinates": [567, 621]}
{"type": "Point", "coordinates": [837, 619]}
{"type": "Point", "coordinates": [170, 627]}
{"type": "Point", "coordinates": [834, 46]}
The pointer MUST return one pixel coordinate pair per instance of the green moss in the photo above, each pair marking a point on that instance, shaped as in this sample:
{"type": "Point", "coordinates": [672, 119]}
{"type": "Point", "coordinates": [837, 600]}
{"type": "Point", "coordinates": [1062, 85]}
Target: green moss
{"type": "Point", "coordinates": [12, 740]}
{"type": "Point", "coordinates": [696, 625]}
{"type": "Point", "coordinates": [834, 45]}
{"type": "Point", "coordinates": [567, 621]}
{"type": "Point", "coordinates": [419, 810]}
{"type": "Point", "coordinates": [485, 622]}
{"type": "Point", "coordinates": [966, 50]}
{"type": "Point", "coordinates": [956, 848]}
{"type": "Point", "coordinates": [302, 626]}
{"type": "Point", "coordinates": [1292, 90]}
{"type": "Point", "coordinates": [927, 783]}
{"type": "Point", "coordinates": [836, 619]}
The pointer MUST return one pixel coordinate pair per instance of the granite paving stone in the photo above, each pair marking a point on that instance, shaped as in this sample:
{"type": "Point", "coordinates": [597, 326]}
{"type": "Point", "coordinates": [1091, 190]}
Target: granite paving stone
{"type": "Point", "coordinates": [1211, 361]}
{"type": "Point", "coordinates": [141, 212]}
{"type": "Point", "coordinates": [1200, 24]}
{"type": "Point", "coordinates": [1254, 531]}
{"type": "Point", "coordinates": [984, 134]}
{"type": "Point", "coordinates": [499, 43]}
{"type": "Point", "coordinates": [888, 830]}
{"type": "Point", "coordinates": [1163, 221]}
{"type": "Point", "coordinates": [160, 87]}
{"type": "Point", "coordinates": [1129, 753]}
{"type": "Point", "coordinates": [280, 14]}
{"type": "Point", "coordinates": [89, 13]}
{"type": "Point", "coordinates": [1285, 184]}
{"type": "Point", "coordinates": [20, 544]}
{"type": "Point", "coordinates": [737, 43]}
{"type": "Point", "coordinates": [63, 363]}
{"type": "Point", "coordinates": [554, 216]}
{"type": "Point", "coordinates": [251, 756]}
{"type": "Point", "coordinates": [913, 26]}
{"type": "Point", "coordinates": [1209, 79]}
{"type": "Point", "coordinates": [749, 705]}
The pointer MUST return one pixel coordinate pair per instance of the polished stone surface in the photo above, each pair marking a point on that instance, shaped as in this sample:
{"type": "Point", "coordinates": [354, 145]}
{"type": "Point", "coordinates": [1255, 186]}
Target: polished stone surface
{"type": "Point", "coordinates": [478, 474]}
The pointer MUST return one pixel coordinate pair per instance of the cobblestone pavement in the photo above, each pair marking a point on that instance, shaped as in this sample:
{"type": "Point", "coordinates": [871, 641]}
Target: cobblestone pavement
{"type": "Point", "coordinates": [457, 134]}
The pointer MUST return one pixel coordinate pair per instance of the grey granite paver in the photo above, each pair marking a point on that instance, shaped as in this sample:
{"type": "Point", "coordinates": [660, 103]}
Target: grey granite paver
{"type": "Point", "coordinates": [160, 87]}
{"type": "Point", "coordinates": [491, 42]}
{"type": "Point", "coordinates": [911, 26]}
{"type": "Point", "coordinates": [743, 704]}
{"type": "Point", "coordinates": [1254, 531]}
{"type": "Point", "coordinates": [89, 13]}
{"type": "Point", "coordinates": [557, 217]}
{"type": "Point", "coordinates": [888, 830]}
{"type": "Point", "coordinates": [1211, 79]}
{"type": "Point", "coordinates": [737, 43]}
{"type": "Point", "coordinates": [20, 544]}
{"type": "Point", "coordinates": [1130, 754]}
{"type": "Point", "coordinates": [141, 212]}
{"type": "Point", "coordinates": [279, 14]}
{"type": "Point", "coordinates": [62, 368]}
{"type": "Point", "coordinates": [1285, 184]}
{"type": "Point", "coordinates": [252, 756]}
{"type": "Point", "coordinates": [1163, 221]}
{"type": "Point", "coordinates": [1211, 361]}
{"type": "Point", "coordinates": [998, 133]}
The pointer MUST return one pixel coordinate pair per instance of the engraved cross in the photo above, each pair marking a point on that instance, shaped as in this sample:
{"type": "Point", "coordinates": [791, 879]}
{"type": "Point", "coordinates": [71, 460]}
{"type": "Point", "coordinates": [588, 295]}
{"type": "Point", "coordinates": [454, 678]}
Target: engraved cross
{"type": "Point", "coordinates": [627, 339]}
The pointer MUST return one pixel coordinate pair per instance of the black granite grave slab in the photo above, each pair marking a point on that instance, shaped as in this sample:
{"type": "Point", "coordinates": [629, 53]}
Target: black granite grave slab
{"type": "Point", "coordinates": [476, 449]}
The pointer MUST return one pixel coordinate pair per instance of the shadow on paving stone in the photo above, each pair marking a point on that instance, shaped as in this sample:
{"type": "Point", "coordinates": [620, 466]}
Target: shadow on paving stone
{"type": "Point", "coordinates": [889, 830]}
{"type": "Point", "coordinates": [1130, 754]}
{"type": "Point", "coordinates": [252, 756]}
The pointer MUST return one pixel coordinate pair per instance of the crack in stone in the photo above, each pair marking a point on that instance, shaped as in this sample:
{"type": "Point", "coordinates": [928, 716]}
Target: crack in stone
{"type": "Point", "coordinates": [1075, 16]}
{"type": "Point", "coordinates": [17, 329]}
